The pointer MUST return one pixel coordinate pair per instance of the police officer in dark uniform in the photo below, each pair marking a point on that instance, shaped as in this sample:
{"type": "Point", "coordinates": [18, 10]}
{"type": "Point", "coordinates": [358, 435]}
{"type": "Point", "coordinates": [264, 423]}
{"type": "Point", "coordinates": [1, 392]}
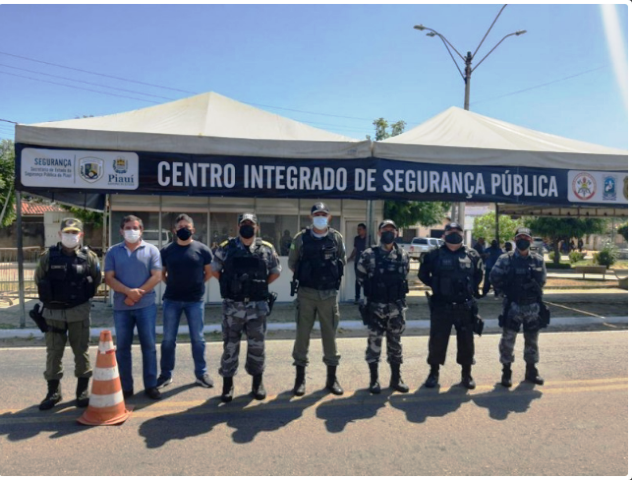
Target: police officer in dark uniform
{"type": "Point", "coordinates": [454, 273]}
{"type": "Point", "coordinates": [67, 277]}
{"type": "Point", "coordinates": [520, 276]}
{"type": "Point", "coordinates": [245, 266]}
{"type": "Point", "coordinates": [383, 271]}
{"type": "Point", "coordinates": [317, 258]}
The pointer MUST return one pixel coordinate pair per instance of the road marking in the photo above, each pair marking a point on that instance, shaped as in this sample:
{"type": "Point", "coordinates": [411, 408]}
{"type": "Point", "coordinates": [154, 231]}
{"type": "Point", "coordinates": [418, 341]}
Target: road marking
{"type": "Point", "coordinates": [166, 408]}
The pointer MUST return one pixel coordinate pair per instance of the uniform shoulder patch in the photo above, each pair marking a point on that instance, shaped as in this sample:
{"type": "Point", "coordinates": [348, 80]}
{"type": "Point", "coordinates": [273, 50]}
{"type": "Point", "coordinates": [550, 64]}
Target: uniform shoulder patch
{"type": "Point", "coordinates": [224, 243]}
{"type": "Point", "coordinates": [299, 234]}
{"type": "Point", "coordinates": [267, 244]}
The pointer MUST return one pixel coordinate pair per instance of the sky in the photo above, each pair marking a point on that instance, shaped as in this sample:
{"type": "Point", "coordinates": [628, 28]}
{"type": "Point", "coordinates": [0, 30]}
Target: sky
{"type": "Point", "coordinates": [333, 67]}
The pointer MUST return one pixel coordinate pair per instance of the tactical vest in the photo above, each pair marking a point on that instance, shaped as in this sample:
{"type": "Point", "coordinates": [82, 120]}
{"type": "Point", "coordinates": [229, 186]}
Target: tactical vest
{"type": "Point", "coordinates": [452, 276]}
{"type": "Point", "coordinates": [244, 277]}
{"type": "Point", "coordinates": [520, 275]}
{"type": "Point", "coordinates": [391, 285]}
{"type": "Point", "coordinates": [319, 265]}
{"type": "Point", "coordinates": [67, 282]}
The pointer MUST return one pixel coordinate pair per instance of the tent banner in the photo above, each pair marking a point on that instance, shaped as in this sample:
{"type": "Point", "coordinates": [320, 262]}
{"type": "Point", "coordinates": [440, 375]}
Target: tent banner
{"type": "Point", "coordinates": [362, 179]}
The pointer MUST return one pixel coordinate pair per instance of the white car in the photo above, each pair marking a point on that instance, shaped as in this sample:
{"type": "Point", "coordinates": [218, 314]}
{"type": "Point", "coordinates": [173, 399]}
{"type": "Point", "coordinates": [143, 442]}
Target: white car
{"type": "Point", "coordinates": [152, 236]}
{"type": "Point", "coordinates": [422, 245]}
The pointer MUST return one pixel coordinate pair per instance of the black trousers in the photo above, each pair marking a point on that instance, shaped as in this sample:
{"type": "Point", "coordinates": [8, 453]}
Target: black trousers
{"type": "Point", "coordinates": [442, 319]}
{"type": "Point", "coordinates": [357, 284]}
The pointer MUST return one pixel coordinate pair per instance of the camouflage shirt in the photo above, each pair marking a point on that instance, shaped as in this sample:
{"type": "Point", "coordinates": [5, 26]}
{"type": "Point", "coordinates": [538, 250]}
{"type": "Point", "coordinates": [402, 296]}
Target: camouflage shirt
{"type": "Point", "coordinates": [80, 312]}
{"type": "Point", "coordinates": [270, 258]}
{"type": "Point", "coordinates": [503, 273]}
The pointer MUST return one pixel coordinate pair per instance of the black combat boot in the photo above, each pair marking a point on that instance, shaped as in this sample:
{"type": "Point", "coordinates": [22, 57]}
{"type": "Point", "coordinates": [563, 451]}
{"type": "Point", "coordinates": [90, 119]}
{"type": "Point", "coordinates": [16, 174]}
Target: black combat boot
{"type": "Point", "coordinates": [258, 390]}
{"type": "Point", "coordinates": [466, 377]}
{"type": "Point", "coordinates": [83, 395]}
{"type": "Point", "coordinates": [374, 384]}
{"type": "Point", "coordinates": [299, 383]}
{"type": "Point", "coordinates": [433, 378]}
{"type": "Point", "coordinates": [505, 380]}
{"type": "Point", "coordinates": [53, 397]}
{"type": "Point", "coordinates": [332, 382]}
{"type": "Point", "coordinates": [397, 382]}
{"type": "Point", "coordinates": [532, 375]}
{"type": "Point", "coordinates": [227, 390]}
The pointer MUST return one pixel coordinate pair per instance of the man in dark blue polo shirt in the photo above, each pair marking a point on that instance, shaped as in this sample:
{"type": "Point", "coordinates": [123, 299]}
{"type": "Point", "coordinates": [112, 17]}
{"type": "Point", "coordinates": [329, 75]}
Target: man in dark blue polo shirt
{"type": "Point", "coordinates": [132, 270]}
{"type": "Point", "coordinates": [186, 268]}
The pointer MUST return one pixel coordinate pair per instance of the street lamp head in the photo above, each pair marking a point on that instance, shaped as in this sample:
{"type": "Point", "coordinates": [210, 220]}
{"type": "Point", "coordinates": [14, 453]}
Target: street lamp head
{"type": "Point", "coordinates": [419, 27]}
{"type": "Point", "coordinates": [431, 34]}
{"type": "Point", "coordinates": [520, 32]}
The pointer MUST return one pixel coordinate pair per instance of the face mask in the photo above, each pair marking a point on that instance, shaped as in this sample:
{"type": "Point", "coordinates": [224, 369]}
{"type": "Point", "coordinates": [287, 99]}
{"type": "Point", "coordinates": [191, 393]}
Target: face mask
{"type": "Point", "coordinates": [246, 231]}
{"type": "Point", "coordinates": [454, 238]}
{"type": "Point", "coordinates": [132, 236]}
{"type": "Point", "coordinates": [522, 244]}
{"type": "Point", "coordinates": [320, 222]}
{"type": "Point", "coordinates": [387, 238]}
{"type": "Point", "coordinates": [70, 240]}
{"type": "Point", "coordinates": [184, 233]}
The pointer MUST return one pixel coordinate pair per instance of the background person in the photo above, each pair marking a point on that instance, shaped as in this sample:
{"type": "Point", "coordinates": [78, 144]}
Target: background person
{"type": "Point", "coordinates": [186, 269]}
{"type": "Point", "coordinates": [317, 258]}
{"type": "Point", "coordinates": [132, 269]}
{"type": "Point", "coordinates": [491, 255]}
{"type": "Point", "coordinates": [360, 244]}
{"type": "Point", "coordinates": [67, 277]}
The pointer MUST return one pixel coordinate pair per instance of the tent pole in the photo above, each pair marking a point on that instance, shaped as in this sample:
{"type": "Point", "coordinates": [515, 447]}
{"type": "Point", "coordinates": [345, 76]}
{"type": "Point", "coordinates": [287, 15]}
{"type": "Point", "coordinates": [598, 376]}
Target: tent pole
{"type": "Point", "coordinates": [497, 228]}
{"type": "Point", "coordinates": [18, 208]}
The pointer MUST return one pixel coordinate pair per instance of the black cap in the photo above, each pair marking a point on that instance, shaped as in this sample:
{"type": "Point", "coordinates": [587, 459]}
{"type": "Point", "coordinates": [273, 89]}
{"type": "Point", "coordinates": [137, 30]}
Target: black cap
{"type": "Point", "coordinates": [384, 223]}
{"type": "Point", "coordinates": [320, 207]}
{"type": "Point", "coordinates": [524, 231]}
{"type": "Point", "coordinates": [452, 226]}
{"type": "Point", "coordinates": [247, 216]}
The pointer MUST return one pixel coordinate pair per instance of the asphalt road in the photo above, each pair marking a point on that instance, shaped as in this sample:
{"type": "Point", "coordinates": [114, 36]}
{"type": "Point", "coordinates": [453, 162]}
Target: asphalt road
{"type": "Point", "coordinates": [576, 424]}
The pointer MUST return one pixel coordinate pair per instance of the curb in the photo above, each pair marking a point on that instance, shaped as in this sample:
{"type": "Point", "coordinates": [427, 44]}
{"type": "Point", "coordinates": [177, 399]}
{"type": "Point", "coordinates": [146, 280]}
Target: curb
{"type": "Point", "coordinates": [345, 324]}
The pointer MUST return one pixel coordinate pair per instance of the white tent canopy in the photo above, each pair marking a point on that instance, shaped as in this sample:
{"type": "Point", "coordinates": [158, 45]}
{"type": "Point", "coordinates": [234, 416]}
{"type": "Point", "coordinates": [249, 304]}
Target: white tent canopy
{"type": "Point", "coordinates": [460, 137]}
{"type": "Point", "coordinates": [206, 124]}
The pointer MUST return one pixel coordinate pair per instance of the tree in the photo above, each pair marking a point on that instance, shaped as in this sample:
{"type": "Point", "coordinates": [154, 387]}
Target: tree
{"type": "Point", "coordinates": [406, 212]}
{"type": "Point", "coordinates": [623, 230]}
{"type": "Point", "coordinates": [485, 226]}
{"type": "Point", "coordinates": [558, 229]}
{"type": "Point", "coordinates": [7, 175]}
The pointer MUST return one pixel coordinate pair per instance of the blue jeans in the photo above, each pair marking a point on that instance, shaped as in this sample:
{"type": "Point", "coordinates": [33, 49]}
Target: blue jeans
{"type": "Point", "coordinates": [145, 321]}
{"type": "Point", "coordinates": [171, 314]}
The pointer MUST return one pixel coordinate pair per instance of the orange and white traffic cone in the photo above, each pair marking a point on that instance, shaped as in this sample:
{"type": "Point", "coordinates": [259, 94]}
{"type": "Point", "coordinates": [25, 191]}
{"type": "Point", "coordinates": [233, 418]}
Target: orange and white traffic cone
{"type": "Point", "coordinates": [107, 406]}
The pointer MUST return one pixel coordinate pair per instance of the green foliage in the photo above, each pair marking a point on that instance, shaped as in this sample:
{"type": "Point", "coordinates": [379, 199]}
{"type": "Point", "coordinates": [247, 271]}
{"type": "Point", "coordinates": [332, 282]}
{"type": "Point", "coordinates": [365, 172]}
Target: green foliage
{"type": "Point", "coordinates": [623, 230]}
{"type": "Point", "coordinates": [86, 216]}
{"type": "Point", "coordinates": [485, 226]}
{"type": "Point", "coordinates": [557, 229]}
{"type": "Point", "coordinates": [558, 266]}
{"type": "Point", "coordinates": [607, 255]}
{"type": "Point", "coordinates": [575, 257]}
{"type": "Point", "coordinates": [7, 175]}
{"type": "Point", "coordinates": [405, 212]}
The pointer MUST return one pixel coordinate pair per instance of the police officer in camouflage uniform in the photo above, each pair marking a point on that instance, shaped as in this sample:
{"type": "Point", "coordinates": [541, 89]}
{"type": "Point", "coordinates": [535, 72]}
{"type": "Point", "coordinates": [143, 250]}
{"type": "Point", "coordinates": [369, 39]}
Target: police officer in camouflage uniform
{"type": "Point", "coordinates": [317, 258]}
{"type": "Point", "coordinates": [67, 277]}
{"type": "Point", "coordinates": [520, 276]}
{"type": "Point", "coordinates": [454, 273]}
{"type": "Point", "coordinates": [383, 270]}
{"type": "Point", "coordinates": [245, 266]}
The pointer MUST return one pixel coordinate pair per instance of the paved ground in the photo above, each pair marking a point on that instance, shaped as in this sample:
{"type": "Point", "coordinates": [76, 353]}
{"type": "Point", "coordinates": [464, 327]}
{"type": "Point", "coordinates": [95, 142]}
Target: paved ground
{"type": "Point", "coordinates": [576, 424]}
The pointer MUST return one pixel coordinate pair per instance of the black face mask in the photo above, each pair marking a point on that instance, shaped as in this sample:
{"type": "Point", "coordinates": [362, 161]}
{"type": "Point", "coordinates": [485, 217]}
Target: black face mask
{"type": "Point", "coordinates": [184, 233]}
{"type": "Point", "coordinates": [387, 238]}
{"type": "Point", "coordinates": [454, 238]}
{"type": "Point", "coordinates": [522, 244]}
{"type": "Point", "coordinates": [246, 231]}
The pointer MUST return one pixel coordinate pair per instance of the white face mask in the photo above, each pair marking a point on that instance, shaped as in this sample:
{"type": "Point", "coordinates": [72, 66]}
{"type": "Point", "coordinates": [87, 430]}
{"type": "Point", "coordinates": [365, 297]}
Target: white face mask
{"type": "Point", "coordinates": [70, 240]}
{"type": "Point", "coordinates": [320, 222]}
{"type": "Point", "coordinates": [132, 236]}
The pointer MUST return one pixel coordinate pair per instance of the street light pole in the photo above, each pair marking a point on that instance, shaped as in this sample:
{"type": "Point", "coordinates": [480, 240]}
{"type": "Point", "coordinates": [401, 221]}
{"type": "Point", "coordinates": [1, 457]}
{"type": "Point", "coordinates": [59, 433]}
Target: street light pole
{"type": "Point", "coordinates": [467, 75]}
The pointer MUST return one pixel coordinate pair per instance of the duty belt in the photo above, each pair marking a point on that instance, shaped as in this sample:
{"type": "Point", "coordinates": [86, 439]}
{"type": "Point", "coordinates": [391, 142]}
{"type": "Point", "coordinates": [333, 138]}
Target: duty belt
{"type": "Point", "coordinates": [526, 301]}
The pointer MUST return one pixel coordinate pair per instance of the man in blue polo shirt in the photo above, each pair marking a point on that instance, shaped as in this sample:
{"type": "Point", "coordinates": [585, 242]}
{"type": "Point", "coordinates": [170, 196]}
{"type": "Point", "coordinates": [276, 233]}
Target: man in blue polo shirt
{"type": "Point", "coordinates": [132, 269]}
{"type": "Point", "coordinates": [186, 268]}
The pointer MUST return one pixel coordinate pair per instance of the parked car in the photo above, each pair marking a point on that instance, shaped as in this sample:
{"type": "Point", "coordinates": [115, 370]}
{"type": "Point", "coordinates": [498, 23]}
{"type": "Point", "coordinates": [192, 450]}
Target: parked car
{"type": "Point", "coordinates": [539, 246]}
{"type": "Point", "coordinates": [422, 245]}
{"type": "Point", "coordinates": [152, 236]}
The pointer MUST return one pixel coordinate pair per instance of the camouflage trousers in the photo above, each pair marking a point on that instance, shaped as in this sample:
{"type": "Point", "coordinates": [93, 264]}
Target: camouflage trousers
{"type": "Point", "coordinates": [389, 319]}
{"type": "Point", "coordinates": [526, 316]}
{"type": "Point", "coordinates": [248, 318]}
